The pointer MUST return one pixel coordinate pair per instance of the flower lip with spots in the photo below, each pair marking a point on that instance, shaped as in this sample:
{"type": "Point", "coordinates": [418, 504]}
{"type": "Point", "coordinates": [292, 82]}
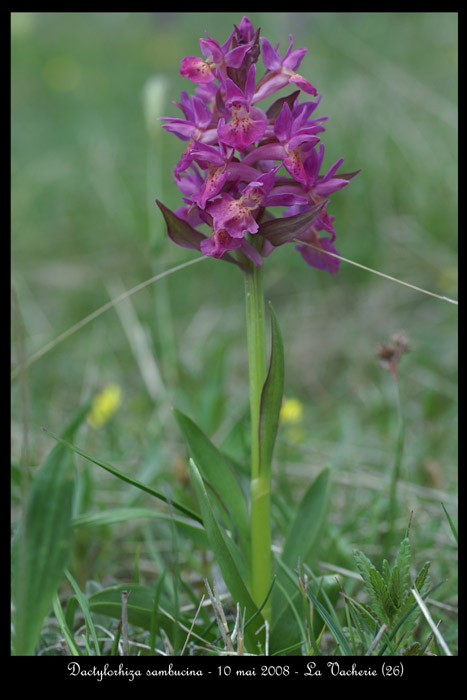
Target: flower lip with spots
{"type": "Point", "coordinates": [248, 123]}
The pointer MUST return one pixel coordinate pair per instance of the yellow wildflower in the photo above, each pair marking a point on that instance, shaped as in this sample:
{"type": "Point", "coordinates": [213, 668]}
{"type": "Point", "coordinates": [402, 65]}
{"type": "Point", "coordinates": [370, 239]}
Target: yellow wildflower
{"type": "Point", "coordinates": [291, 411]}
{"type": "Point", "coordinates": [104, 405]}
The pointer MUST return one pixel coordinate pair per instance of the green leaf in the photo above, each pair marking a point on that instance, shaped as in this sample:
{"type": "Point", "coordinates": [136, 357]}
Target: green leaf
{"type": "Point", "coordinates": [374, 582]}
{"type": "Point", "coordinates": [422, 580]}
{"type": "Point", "coordinates": [271, 398]}
{"type": "Point", "coordinates": [408, 613]}
{"type": "Point", "coordinates": [308, 519]}
{"type": "Point", "coordinates": [403, 560]}
{"type": "Point", "coordinates": [226, 561]}
{"type": "Point", "coordinates": [42, 544]}
{"type": "Point", "coordinates": [386, 571]}
{"type": "Point", "coordinates": [395, 587]}
{"type": "Point", "coordinates": [217, 472]}
{"type": "Point", "coordinates": [364, 565]}
{"type": "Point", "coordinates": [279, 231]}
{"type": "Point", "coordinates": [366, 618]}
{"type": "Point", "coordinates": [274, 110]}
{"type": "Point", "coordinates": [380, 596]}
{"type": "Point", "coordinates": [180, 231]}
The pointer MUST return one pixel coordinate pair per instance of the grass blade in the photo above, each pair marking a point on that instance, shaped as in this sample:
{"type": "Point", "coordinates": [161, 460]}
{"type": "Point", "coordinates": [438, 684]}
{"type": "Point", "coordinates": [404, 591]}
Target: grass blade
{"type": "Point", "coordinates": [65, 630]}
{"type": "Point", "coordinates": [429, 619]}
{"type": "Point", "coordinates": [124, 477]}
{"type": "Point", "coordinates": [84, 604]}
{"type": "Point", "coordinates": [451, 523]}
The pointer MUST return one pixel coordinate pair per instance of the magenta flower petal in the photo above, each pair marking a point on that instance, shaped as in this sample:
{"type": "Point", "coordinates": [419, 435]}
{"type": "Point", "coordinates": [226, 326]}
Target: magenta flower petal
{"type": "Point", "coordinates": [324, 189]}
{"type": "Point", "coordinates": [216, 178]}
{"type": "Point", "coordinates": [319, 258]}
{"type": "Point", "coordinates": [284, 69]}
{"type": "Point", "coordinates": [271, 57]}
{"type": "Point", "coordinates": [183, 129]}
{"type": "Point", "coordinates": [245, 30]}
{"type": "Point", "coordinates": [219, 243]}
{"type": "Point", "coordinates": [196, 70]}
{"type": "Point", "coordinates": [293, 163]}
{"type": "Point", "coordinates": [301, 138]}
{"type": "Point", "coordinates": [211, 49]}
{"type": "Point", "coordinates": [234, 58]}
{"type": "Point", "coordinates": [303, 84]}
{"type": "Point", "coordinates": [234, 94]}
{"type": "Point", "coordinates": [292, 59]}
{"type": "Point", "coordinates": [232, 215]}
{"type": "Point", "coordinates": [242, 131]}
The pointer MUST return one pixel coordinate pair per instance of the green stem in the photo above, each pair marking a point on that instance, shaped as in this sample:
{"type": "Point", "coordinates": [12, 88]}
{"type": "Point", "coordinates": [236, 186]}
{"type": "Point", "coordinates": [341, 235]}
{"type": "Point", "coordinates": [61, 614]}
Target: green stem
{"type": "Point", "coordinates": [261, 562]}
{"type": "Point", "coordinates": [396, 473]}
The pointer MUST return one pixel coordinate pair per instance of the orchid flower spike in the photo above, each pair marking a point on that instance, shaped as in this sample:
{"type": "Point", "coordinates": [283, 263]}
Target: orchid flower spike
{"type": "Point", "coordinates": [241, 161]}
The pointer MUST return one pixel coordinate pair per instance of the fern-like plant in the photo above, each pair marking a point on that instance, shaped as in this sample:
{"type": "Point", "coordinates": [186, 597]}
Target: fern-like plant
{"type": "Point", "coordinates": [392, 604]}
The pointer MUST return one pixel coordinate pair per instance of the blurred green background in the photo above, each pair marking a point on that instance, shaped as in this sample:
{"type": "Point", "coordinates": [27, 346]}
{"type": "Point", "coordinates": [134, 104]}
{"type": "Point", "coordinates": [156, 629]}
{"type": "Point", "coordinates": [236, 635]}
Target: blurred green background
{"type": "Point", "coordinates": [87, 163]}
